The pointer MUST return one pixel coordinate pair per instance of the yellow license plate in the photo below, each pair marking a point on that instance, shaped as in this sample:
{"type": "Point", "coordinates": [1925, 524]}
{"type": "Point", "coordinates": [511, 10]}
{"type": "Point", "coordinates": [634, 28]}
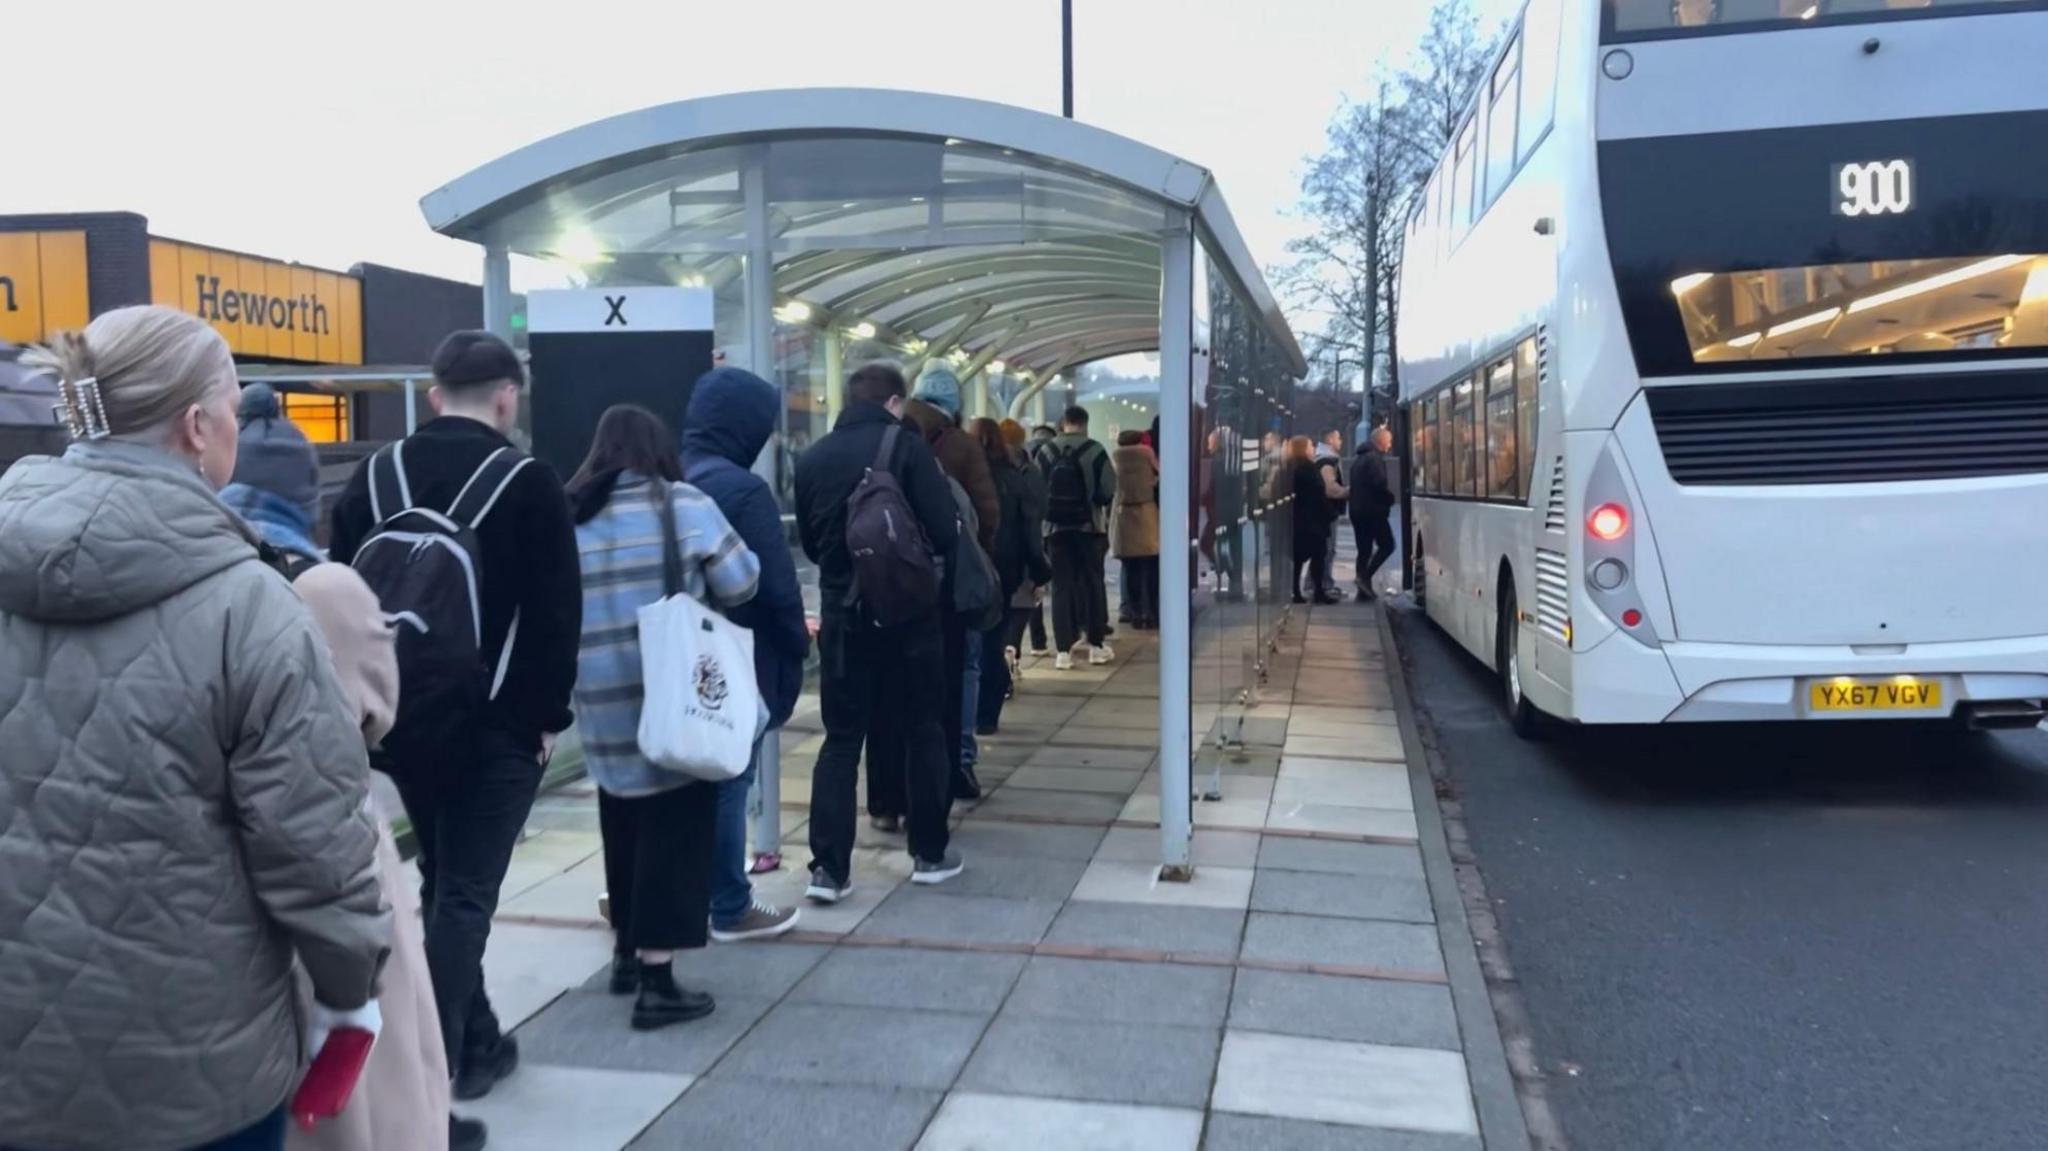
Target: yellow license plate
{"type": "Point", "coordinates": [1899, 693]}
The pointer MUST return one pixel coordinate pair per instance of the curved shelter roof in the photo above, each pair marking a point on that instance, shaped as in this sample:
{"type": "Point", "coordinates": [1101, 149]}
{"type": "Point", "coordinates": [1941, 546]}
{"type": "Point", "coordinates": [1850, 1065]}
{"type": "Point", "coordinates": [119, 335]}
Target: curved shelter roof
{"type": "Point", "coordinates": [1001, 231]}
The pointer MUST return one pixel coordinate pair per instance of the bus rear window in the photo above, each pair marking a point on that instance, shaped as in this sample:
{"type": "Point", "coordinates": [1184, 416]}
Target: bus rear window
{"type": "Point", "coordinates": [1884, 308]}
{"type": "Point", "coordinates": [1639, 19]}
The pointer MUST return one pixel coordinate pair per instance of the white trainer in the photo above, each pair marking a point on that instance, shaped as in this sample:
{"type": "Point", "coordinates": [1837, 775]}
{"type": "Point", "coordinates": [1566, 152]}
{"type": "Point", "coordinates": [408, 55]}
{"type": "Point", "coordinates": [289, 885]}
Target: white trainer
{"type": "Point", "coordinates": [1102, 653]}
{"type": "Point", "coordinates": [1064, 661]}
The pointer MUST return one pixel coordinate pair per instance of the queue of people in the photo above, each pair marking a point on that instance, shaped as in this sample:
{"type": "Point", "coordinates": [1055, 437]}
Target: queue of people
{"type": "Point", "coordinates": [163, 604]}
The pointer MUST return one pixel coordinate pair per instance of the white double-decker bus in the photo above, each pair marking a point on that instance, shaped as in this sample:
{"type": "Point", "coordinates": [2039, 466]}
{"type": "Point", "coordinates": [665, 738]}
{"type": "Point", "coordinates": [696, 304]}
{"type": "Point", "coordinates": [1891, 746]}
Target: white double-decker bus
{"type": "Point", "coordinates": [1724, 345]}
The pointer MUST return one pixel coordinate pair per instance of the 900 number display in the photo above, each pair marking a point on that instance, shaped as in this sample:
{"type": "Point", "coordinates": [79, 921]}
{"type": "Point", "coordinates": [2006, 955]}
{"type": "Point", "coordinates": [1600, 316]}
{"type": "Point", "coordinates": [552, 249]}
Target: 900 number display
{"type": "Point", "coordinates": [1874, 188]}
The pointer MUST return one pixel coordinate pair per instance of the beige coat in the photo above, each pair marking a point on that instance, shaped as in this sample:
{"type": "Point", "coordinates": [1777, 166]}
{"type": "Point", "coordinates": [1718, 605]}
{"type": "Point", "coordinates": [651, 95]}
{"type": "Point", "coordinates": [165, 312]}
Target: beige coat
{"type": "Point", "coordinates": [402, 1099]}
{"type": "Point", "coordinates": [183, 812]}
{"type": "Point", "coordinates": [1134, 521]}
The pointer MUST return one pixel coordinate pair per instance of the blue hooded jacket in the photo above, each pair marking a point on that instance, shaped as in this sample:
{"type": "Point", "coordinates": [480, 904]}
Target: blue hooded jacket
{"type": "Point", "coordinates": [732, 414]}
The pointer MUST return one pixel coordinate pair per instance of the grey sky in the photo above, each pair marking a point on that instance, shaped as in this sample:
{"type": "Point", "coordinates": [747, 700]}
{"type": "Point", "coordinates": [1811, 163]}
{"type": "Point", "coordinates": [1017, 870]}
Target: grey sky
{"type": "Point", "coordinates": [310, 133]}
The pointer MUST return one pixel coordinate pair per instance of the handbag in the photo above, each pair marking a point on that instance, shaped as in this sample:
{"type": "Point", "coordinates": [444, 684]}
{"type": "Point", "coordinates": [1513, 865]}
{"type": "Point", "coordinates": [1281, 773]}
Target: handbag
{"type": "Point", "coordinates": [702, 708]}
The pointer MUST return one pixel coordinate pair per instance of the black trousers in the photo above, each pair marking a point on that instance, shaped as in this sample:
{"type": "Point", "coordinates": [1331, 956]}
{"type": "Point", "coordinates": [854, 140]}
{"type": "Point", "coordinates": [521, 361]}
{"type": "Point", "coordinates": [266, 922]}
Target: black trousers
{"type": "Point", "coordinates": [1143, 572]}
{"type": "Point", "coordinates": [1375, 538]}
{"type": "Point", "coordinates": [881, 688]}
{"type": "Point", "coordinates": [1036, 620]}
{"type": "Point", "coordinates": [1080, 598]}
{"type": "Point", "coordinates": [467, 806]}
{"type": "Point", "coordinates": [657, 866]}
{"type": "Point", "coordinates": [1311, 551]}
{"type": "Point", "coordinates": [885, 788]}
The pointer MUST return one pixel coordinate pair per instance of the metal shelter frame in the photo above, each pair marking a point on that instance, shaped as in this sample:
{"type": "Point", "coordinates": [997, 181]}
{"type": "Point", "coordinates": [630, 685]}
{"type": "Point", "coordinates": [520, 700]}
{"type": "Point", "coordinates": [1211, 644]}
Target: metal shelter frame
{"type": "Point", "coordinates": [1010, 242]}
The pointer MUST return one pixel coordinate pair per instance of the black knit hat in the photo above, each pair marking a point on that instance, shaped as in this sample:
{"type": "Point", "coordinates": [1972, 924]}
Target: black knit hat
{"type": "Point", "coordinates": [468, 359]}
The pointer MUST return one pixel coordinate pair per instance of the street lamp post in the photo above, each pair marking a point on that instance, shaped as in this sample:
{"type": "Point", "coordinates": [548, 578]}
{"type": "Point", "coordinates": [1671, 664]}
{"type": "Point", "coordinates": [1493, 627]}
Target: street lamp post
{"type": "Point", "coordinates": [1067, 58]}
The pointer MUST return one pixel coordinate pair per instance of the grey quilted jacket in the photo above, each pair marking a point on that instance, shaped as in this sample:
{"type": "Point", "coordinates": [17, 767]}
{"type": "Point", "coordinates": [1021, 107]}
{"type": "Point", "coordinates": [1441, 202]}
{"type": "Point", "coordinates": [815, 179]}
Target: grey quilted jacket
{"type": "Point", "coordinates": [182, 811]}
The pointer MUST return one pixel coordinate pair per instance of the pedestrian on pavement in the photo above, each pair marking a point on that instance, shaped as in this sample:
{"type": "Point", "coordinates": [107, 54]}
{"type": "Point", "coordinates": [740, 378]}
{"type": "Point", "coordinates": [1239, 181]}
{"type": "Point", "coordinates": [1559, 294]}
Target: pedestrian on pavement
{"type": "Point", "coordinates": [1079, 490]}
{"type": "Point", "coordinates": [1027, 607]}
{"type": "Point", "coordinates": [877, 680]}
{"type": "Point", "coordinates": [1372, 502]}
{"type": "Point", "coordinates": [1330, 458]}
{"type": "Point", "coordinates": [1041, 437]}
{"type": "Point", "coordinates": [276, 486]}
{"type": "Point", "coordinates": [183, 802]}
{"type": "Point", "coordinates": [732, 413]}
{"type": "Point", "coordinates": [402, 1098]}
{"type": "Point", "coordinates": [1020, 563]}
{"type": "Point", "coordinates": [470, 745]}
{"type": "Point", "coordinates": [1310, 485]}
{"type": "Point", "coordinates": [660, 827]}
{"type": "Point", "coordinates": [935, 412]}
{"type": "Point", "coordinates": [1134, 527]}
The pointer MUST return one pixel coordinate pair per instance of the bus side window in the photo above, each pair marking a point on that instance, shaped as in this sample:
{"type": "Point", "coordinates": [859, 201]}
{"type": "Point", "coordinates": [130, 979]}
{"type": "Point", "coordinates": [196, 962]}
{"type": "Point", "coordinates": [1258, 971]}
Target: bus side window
{"type": "Point", "coordinates": [1539, 74]}
{"type": "Point", "coordinates": [1525, 411]}
{"type": "Point", "coordinates": [1504, 93]}
{"type": "Point", "coordinates": [1500, 430]}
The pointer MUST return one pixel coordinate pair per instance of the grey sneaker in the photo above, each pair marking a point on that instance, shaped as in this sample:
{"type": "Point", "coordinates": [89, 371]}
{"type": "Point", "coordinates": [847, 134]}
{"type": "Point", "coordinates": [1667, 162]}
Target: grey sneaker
{"type": "Point", "coordinates": [938, 871]}
{"type": "Point", "coordinates": [886, 824]}
{"type": "Point", "coordinates": [762, 921]}
{"type": "Point", "coordinates": [825, 889]}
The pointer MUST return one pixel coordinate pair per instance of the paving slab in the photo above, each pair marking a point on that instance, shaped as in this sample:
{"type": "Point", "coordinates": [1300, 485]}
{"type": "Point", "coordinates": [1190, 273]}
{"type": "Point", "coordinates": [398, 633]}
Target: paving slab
{"type": "Point", "coordinates": [745, 1113]}
{"type": "Point", "coordinates": [1117, 992]}
{"type": "Point", "coordinates": [1406, 947]}
{"type": "Point", "coordinates": [975, 1122]}
{"type": "Point", "coordinates": [1211, 847]}
{"type": "Point", "coordinates": [1363, 861]}
{"type": "Point", "coordinates": [1108, 781]}
{"type": "Point", "coordinates": [1183, 930]}
{"type": "Point", "coordinates": [1359, 1084]}
{"type": "Point", "coordinates": [872, 1046]}
{"type": "Point", "coordinates": [761, 969]}
{"type": "Point", "coordinates": [1110, 1062]}
{"type": "Point", "coordinates": [912, 979]}
{"type": "Point", "coordinates": [593, 1029]}
{"type": "Point", "coordinates": [910, 913]}
{"type": "Point", "coordinates": [1111, 881]}
{"type": "Point", "coordinates": [1073, 806]}
{"type": "Point", "coordinates": [1337, 820]}
{"type": "Point", "coordinates": [528, 967]}
{"type": "Point", "coordinates": [544, 1108]}
{"type": "Point", "coordinates": [985, 839]}
{"type": "Point", "coordinates": [1317, 893]}
{"type": "Point", "coordinates": [1341, 1007]}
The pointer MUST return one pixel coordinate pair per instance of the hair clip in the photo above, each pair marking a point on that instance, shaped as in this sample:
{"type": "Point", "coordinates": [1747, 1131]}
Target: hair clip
{"type": "Point", "coordinates": [81, 410]}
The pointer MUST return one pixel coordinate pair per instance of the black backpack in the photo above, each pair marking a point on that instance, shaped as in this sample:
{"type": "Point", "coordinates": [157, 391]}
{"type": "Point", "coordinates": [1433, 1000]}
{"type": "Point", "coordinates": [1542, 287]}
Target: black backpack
{"type": "Point", "coordinates": [1066, 484]}
{"type": "Point", "coordinates": [894, 572]}
{"type": "Point", "coordinates": [427, 568]}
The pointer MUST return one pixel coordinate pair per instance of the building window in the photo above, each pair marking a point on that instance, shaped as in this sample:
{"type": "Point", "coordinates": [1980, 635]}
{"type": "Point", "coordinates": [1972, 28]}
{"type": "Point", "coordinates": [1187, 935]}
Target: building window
{"type": "Point", "coordinates": [324, 419]}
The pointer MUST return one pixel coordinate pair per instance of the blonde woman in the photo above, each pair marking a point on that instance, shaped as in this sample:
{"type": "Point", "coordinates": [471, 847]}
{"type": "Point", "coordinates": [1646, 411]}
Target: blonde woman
{"type": "Point", "coordinates": [183, 802]}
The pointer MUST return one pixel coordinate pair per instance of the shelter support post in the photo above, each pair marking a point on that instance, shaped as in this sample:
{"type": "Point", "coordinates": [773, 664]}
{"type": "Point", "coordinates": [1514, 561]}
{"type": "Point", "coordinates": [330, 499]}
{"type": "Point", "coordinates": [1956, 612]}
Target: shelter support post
{"type": "Point", "coordinates": [497, 291]}
{"type": "Point", "coordinates": [760, 294]}
{"type": "Point", "coordinates": [412, 406]}
{"type": "Point", "coordinates": [1176, 543]}
{"type": "Point", "coordinates": [835, 376]}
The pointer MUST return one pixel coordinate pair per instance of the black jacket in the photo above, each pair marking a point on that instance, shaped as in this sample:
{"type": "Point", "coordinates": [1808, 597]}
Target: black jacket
{"type": "Point", "coordinates": [829, 471]}
{"type": "Point", "coordinates": [1020, 541]}
{"type": "Point", "coordinates": [1312, 512]}
{"type": "Point", "coordinates": [1371, 495]}
{"type": "Point", "coordinates": [529, 564]}
{"type": "Point", "coordinates": [732, 413]}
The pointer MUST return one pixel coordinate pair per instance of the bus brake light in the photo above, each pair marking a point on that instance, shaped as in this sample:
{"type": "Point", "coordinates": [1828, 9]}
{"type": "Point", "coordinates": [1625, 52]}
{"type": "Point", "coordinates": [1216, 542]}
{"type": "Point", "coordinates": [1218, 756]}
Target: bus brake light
{"type": "Point", "coordinates": [1608, 522]}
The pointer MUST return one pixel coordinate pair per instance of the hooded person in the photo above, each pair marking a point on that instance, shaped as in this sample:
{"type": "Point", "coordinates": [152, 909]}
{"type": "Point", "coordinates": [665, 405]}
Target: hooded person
{"type": "Point", "coordinates": [276, 485]}
{"type": "Point", "coordinates": [934, 410]}
{"type": "Point", "coordinates": [732, 414]}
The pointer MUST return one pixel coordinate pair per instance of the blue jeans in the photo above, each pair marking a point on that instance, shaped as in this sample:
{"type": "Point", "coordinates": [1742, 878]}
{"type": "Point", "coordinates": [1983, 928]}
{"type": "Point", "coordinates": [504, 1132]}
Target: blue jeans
{"type": "Point", "coordinates": [970, 699]}
{"type": "Point", "coordinates": [732, 893]}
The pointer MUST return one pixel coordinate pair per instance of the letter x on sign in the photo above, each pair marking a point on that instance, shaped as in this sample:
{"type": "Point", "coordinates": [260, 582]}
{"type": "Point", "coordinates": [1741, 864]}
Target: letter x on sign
{"type": "Point", "coordinates": [618, 313]}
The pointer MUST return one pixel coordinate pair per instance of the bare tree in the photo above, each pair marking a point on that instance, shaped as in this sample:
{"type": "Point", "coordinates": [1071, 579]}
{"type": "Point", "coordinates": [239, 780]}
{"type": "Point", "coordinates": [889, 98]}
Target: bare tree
{"type": "Point", "coordinates": [1359, 193]}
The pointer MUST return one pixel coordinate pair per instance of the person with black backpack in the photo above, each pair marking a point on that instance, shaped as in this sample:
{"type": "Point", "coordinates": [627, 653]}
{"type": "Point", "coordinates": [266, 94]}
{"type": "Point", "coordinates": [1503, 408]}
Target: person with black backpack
{"type": "Point", "coordinates": [874, 513]}
{"type": "Point", "coordinates": [468, 544]}
{"type": "Point", "coordinates": [1080, 486]}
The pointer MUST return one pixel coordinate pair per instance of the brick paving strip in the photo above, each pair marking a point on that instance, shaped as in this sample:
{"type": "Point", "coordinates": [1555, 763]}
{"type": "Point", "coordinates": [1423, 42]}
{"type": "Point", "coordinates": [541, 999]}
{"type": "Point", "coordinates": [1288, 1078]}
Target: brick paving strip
{"type": "Point", "coordinates": [1294, 995]}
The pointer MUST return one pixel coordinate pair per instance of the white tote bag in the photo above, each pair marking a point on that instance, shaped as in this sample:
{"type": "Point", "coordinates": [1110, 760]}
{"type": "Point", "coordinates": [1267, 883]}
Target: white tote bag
{"type": "Point", "coordinates": [702, 709]}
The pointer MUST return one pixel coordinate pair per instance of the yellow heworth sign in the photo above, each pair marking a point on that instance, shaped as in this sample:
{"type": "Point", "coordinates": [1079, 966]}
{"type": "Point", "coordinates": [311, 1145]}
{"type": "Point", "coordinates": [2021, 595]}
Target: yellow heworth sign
{"type": "Point", "coordinates": [264, 308]}
{"type": "Point", "coordinates": [42, 285]}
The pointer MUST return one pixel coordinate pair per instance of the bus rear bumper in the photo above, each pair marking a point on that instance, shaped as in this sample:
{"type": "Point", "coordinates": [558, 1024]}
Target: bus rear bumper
{"type": "Point", "coordinates": [1734, 683]}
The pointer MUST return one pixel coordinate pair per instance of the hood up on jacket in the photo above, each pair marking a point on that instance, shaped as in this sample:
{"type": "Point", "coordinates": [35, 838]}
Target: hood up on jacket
{"type": "Point", "coordinates": [732, 414]}
{"type": "Point", "coordinates": [108, 529]}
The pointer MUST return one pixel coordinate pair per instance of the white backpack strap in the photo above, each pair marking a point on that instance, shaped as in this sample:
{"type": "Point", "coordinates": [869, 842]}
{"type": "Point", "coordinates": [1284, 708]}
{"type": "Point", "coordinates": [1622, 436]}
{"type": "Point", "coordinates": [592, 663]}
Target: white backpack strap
{"type": "Point", "coordinates": [497, 471]}
{"type": "Point", "coordinates": [400, 489]}
{"type": "Point", "coordinates": [505, 655]}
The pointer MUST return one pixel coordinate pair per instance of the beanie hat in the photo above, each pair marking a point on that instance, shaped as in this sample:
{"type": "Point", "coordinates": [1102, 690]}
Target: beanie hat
{"type": "Point", "coordinates": [273, 455]}
{"type": "Point", "coordinates": [939, 387]}
{"type": "Point", "coordinates": [466, 359]}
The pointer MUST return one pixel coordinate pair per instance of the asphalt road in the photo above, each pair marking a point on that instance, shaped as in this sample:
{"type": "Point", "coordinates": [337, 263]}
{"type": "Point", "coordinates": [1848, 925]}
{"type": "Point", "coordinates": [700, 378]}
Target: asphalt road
{"type": "Point", "coordinates": [1763, 937]}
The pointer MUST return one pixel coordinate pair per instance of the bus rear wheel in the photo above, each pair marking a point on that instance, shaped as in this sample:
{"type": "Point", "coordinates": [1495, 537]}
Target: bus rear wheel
{"type": "Point", "coordinates": [1527, 720]}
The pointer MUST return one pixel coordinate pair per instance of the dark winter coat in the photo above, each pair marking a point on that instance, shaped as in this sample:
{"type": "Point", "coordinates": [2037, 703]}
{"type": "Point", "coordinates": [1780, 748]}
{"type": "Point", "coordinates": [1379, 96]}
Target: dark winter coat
{"type": "Point", "coordinates": [1371, 495]}
{"type": "Point", "coordinates": [1020, 545]}
{"type": "Point", "coordinates": [831, 469]}
{"type": "Point", "coordinates": [732, 413]}
{"type": "Point", "coordinates": [961, 458]}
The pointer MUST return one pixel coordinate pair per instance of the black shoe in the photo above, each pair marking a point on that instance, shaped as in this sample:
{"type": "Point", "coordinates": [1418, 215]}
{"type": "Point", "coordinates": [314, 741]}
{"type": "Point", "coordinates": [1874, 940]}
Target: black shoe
{"type": "Point", "coordinates": [466, 1134]}
{"type": "Point", "coordinates": [662, 1003]}
{"type": "Point", "coordinates": [1299, 598]}
{"type": "Point", "coordinates": [625, 974]}
{"type": "Point", "coordinates": [484, 1070]}
{"type": "Point", "coordinates": [1326, 599]}
{"type": "Point", "coordinates": [966, 784]}
{"type": "Point", "coordinates": [1365, 596]}
{"type": "Point", "coordinates": [985, 729]}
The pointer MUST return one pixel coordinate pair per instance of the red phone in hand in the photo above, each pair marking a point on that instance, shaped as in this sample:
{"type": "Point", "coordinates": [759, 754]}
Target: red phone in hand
{"type": "Point", "coordinates": [332, 1078]}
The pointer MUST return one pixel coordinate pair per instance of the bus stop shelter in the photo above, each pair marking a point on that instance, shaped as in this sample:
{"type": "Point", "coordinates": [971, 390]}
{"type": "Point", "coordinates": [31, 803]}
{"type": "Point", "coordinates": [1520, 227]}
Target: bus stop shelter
{"type": "Point", "coordinates": [837, 226]}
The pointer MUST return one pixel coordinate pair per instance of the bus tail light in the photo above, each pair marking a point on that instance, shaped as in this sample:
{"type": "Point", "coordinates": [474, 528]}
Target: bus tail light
{"type": "Point", "coordinates": [1608, 522]}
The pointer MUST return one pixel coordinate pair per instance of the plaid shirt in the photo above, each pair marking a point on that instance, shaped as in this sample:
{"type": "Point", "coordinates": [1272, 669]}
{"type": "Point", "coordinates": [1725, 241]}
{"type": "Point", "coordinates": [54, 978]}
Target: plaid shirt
{"type": "Point", "coordinates": [621, 557]}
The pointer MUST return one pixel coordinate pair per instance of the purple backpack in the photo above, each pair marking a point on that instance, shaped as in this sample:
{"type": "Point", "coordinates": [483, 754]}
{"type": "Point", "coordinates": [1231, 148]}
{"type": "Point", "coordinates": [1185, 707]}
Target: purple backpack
{"type": "Point", "coordinates": [894, 573]}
